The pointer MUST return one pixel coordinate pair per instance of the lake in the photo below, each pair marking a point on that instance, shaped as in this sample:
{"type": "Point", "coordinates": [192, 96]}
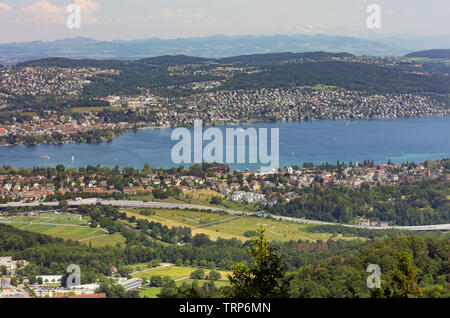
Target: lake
{"type": "Point", "coordinates": [315, 141]}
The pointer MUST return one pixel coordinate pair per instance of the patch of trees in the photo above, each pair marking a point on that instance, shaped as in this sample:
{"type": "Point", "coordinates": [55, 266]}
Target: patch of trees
{"type": "Point", "coordinates": [419, 203]}
{"type": "Point", "coordinates": [410, 267]}
{"type": "Point", "coordinates": [161, 232]}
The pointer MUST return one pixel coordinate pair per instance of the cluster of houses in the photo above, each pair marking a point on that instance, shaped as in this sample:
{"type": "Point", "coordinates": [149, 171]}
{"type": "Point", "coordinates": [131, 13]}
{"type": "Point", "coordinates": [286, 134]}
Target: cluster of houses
{"type": "Point", "coordinates": [54, 286]}
{"type": "Point", "coordinates": [357, 175]}
{"type": "Point", "coordinates": [248, 197]}
{"type": "Point", "coordinates": [64, 125]}
{"type": "Point", "coordinates": [39, 81]}
{"type": "Point", "coordinates": [7, 290]}
{"type": "Point", "coordinates": [300, 104]}
{"type": "Point", "coordinates": [11, 265]}
{"type": "Point", "coordinates": [372, 223]}
{"type": "Point", "coordinates": [132, 102]}
{"type": "Point", "coordinates": [251, 187]}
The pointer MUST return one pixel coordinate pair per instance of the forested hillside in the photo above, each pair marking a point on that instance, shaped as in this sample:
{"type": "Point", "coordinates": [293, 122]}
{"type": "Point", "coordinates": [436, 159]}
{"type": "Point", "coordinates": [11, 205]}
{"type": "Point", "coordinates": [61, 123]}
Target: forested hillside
{"type": "Point", "coordinates": [319, 269]}
{"type": "Point", "coordinates": [407, 204]}
{"type": "Point", "coordinates": [432, 54]}
{"type": "Point", "coordinates": [351, 76]}
{"type": "Point", "coordinates": [426, 258]}
{"type": "Point", "coordinates": [280, 70]}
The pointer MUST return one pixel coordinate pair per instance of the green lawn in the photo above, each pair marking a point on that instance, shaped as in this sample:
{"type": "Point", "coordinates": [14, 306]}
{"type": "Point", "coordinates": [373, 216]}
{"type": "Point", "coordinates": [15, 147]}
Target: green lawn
{"type": "Point", "coordinates": [275, 230]}
{"type": "Point", "coordinates": [27, 219]}
{"type": "Point", "coordinates": [180, 273]}
{"type": "Point", "coordinates": [151, 292]}
{"type": "Point", "coordinates": [66, 226]}
{"type": "Point", "coordinates": [51, 218]}
{"type": "Point", "coordinates": [174, 272]}
{"type": "Point", "coordinates": [62, 231]}
{"type": "Point", "coordinates": [218, 283]}
{"type": "Point", "coordinates": [104, 240]}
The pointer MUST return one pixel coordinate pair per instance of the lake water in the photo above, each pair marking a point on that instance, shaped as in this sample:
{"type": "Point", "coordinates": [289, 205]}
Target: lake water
{"type": "Point", "coordinates": [316, 141]}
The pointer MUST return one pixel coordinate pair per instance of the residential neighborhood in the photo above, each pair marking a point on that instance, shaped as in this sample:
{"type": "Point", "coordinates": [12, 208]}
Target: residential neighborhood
{"type": "Point", "coordinates": [268, 187]}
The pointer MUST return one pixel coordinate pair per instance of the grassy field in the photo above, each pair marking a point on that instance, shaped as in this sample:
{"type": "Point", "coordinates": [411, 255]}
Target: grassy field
{"type": "Point", "coordinates": [66, 226]}
{"type": "Point", "coordinates": [51, 218]}
{"type": "Point", "coordinates": [90, 109]}
{"type": "Point", "coordinates": [276, 230]}
{"type": "Point", "coordinates": [218, 283]}
{"type": "Point", "coordinates": [172, 271]}
{"type": "Point", "coordinates": [151, 292]}
{"type": "Point", "coordinates": [104, 240]}
{"type": "Point", "coordinates": [173, 218]}
{"type": "Point", "coordinates": [177, 273]}
{"type": "Point", "coordinates": [63, 231]}
{"type": "Point", "coordinates": [423, 59]}
{"type": "Point", "coordinates": [180, 274]}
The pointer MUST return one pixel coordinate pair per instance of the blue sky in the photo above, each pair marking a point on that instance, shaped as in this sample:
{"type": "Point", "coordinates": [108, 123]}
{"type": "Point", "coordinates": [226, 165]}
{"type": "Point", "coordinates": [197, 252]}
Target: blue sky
{"type": "Point", "coordinates": [28, 20]}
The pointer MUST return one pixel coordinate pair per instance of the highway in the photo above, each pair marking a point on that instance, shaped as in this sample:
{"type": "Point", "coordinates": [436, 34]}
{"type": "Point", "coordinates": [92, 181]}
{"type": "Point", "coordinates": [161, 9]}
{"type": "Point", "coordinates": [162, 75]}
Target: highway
{"type": "Point", "coordinates": [127, 204]}
{"type": "Point", "coordinates": [165, 205]}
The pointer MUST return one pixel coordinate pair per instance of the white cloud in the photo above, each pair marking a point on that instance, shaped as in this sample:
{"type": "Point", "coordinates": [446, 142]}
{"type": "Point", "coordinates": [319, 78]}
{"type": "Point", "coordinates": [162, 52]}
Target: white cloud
{"type": "Point", "coordinates": [166, 13]}
{"type": "Point", "coordinates": [88, 8]}
{"type": "Point", "coordinates": [44, 13]}
{"type": "Point", "coordinates": [88, 5]}
{"type": "Point", "coordinates": [4, 7]}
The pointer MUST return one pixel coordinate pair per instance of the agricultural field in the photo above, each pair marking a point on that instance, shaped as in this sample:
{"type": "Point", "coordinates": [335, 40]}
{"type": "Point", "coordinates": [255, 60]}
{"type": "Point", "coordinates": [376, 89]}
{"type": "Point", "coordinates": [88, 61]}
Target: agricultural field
{"type": "Point", "coordinates": [194, 220]}
{"type": "Point", "coordinates": [275, 230]}
{"type": "Point", "coordinates": [229, 226]}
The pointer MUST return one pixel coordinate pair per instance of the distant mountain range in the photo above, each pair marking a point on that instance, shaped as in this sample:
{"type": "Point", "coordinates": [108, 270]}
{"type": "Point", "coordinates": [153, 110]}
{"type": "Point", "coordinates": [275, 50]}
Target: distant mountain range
{"type": "Point", "coordinates": [210, 47]}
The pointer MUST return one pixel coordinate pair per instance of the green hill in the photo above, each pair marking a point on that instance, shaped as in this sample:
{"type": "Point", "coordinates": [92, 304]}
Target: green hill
{"type": "Point", "coordinates": [432, 54]}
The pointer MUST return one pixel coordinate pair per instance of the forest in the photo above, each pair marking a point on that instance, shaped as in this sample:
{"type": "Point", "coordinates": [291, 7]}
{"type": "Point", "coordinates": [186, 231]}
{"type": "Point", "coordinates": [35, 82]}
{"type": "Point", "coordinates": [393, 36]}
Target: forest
{"type": "Point", "coordinates": [351, 76]}
{"type": "Point", "coordinates": [315, 269]}
{"type": "Point", "coordinates": [422, 203]}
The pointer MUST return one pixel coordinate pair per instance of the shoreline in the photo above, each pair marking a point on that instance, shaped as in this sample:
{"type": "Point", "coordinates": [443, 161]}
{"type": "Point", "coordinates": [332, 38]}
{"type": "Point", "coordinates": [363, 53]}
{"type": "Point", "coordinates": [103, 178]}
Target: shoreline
{"type": "Point", "coordinates": [248, 122]}
{"type": "Point", "coordinates": [147, 146]}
